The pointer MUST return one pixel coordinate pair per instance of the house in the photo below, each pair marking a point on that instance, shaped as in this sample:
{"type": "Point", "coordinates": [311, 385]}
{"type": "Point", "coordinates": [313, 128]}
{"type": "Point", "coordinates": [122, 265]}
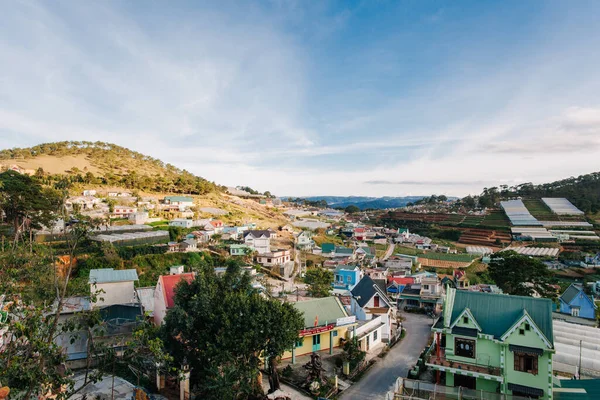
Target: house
{"type": "Point", "coordinates": [112, 286]}
{"type": "Point", "coordinates": [180, 203]}
{"type": "Point", "coordinates": [239, 250]}
{"type": "Point", "coordinates": [576, 303]}
{"type": "Point", "coordinates": [200, 236]}
{"type": "Point", "coordinates": [400, 264]}
{"type": "Point", "coordinates": [275, 257]}
{"type": "Point", "coordinates": [217, 225]}
{"type": "Point", "coordinates": [369, 333]}
{"type": "Point", "coordinates": [457, 280]}
{"type": "Point", "coordinates": [359, 233]}
{"type": "Point", "coordinates": [304, 241]}
{"type": "Point", "coordinates": [90, 192]}
{"type": "Point", "coordinates": [346, 278]}
{"type": "Point", "coordinates": [426, 294]}
{"type": "Point", "coordinates": [123, 211]}
{"type": "Point", "coordinates": [396, 284]}
{"type": "Point", "coordinates": [182, 223]}
{"type": "Point", "coordinates": [287, 228]}
{"type": "Point", "coordinates": [164, 294]}
{"type": "Point", "coordinates": [369, 301]}
{"type": "Point", "coordinates": [139, 218]}
{"type": "Point", "coordinates": [495, 343]}
{"type": "Point", "coordinates": [234, 232]}
{"type": "Point", "coordinates": [188, 245]}
{"type": "Point", "coordinates": [326, 325]}
{"type": "Point", "coordinates": [258, 240]}
{"type": "Point", "coordinates": [343, 252]}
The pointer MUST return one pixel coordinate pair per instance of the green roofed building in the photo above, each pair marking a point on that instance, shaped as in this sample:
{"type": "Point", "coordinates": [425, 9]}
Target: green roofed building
{"type": "Point", "coordinates": [327, 248]}
{"type": "Point", "coordinates": [326, 323]}
{"type": "Point", "coordinates": [495, 343]}
{"type": "Point", "coordinates": [579, 389]}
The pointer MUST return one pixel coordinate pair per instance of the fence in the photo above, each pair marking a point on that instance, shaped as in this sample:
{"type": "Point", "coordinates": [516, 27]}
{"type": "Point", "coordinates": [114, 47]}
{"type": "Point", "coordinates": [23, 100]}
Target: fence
{"type": "Point", "coordinates": [421, 390]}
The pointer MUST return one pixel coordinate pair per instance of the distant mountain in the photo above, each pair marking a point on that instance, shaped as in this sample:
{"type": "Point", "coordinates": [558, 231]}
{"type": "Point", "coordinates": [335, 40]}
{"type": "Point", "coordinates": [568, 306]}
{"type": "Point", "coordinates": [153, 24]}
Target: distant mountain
{"type": "Point", "coordinates": [364, 203]}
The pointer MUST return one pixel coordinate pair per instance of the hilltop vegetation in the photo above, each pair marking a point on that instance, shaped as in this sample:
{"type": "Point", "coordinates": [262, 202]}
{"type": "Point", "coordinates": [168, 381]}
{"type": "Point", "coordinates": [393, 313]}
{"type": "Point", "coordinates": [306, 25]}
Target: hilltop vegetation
{"type": "Point", "coordinates": [99, 163]}
{"type": "Point", "coordinates": [583, 191]}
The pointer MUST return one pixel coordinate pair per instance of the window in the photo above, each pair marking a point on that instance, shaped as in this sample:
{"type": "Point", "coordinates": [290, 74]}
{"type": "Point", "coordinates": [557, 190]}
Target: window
{"type": "Point", "coordinates": [526, 363]}
{"type": "Point", "coordinates": [575, 312]}
{"type": "Point", "coordinates": [300, 342]}
{"type": "Point", "coordinates": [426, 287]}
{"type": "Point", "coordinates": [335, 333]}
{"type": "Point", "coordinates": [348, 279]}
{"type": "Point", "coordinates": [521, 331]}
{"type": "Point", "coordinates": [375, 336]}
{"type": "Point", "coordinates": [376, 301]}
{"type": "Point", "coordinates": [527, 327]}
{"type": "Point", "coordinates": [465, 320]}
{"type": "Point", "coordinates": [464, 348]}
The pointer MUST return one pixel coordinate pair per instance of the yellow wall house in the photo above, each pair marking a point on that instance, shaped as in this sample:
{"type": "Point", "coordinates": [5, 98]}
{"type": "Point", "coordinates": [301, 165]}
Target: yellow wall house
{"type": "Point", "coordinates": [325, 322]}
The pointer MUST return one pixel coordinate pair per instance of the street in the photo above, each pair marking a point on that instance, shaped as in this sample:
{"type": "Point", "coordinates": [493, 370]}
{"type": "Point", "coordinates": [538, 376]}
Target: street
{"type": "Point", "coordinates": [389, 251]}
{"type": "Point", "coordinates": [402, 357]}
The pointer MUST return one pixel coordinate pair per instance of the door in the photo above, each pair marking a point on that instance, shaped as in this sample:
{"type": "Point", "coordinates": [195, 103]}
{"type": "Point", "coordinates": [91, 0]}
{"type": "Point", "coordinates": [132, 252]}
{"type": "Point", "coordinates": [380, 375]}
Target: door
{"type": "Point", "coordinates": [316, 343]}
{"type": "Point", "coordinates": [368, 341]}
{"type": "Point", "coordinates": [376, 301]}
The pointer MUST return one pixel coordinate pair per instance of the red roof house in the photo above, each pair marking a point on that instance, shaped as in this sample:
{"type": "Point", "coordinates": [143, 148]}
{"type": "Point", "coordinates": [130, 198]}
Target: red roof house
{"type": "Point", "coordinates": [164, 294]}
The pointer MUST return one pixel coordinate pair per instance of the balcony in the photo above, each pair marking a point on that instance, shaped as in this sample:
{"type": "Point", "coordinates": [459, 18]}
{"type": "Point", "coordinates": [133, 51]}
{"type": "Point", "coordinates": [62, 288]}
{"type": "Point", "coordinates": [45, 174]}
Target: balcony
{"type": "Point", "coordinates": [460, 367]}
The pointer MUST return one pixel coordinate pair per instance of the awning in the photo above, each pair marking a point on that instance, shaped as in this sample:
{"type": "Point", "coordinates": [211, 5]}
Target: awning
{"type": "Point", "coordinates": [530, 391]}
{"type": "Point", "coordinates": [457, 330]}
{"type": "Point", "coordinates": [525, 349]}
{"type": "Point", "coordinates": [364, 334]}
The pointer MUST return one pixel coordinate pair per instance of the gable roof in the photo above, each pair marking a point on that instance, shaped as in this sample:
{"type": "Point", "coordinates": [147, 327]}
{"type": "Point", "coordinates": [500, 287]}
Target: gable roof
{"type": "Point", "coordinates": [343, 250]}
{"type": "Point", "coordinates": [326, 309]}
{"type": "Point", "coordinates": [169, 283]}
{"type": "Point", "coordinates": [497, 313]}
{"type": "Point", "coordinates": [258, 233]}
{"type": "Point", "coordinates": [572, 291]}
{"type": "Point", "coordinates": [366, 289]}
{"type": "Point", "coordinates": [108, 275]}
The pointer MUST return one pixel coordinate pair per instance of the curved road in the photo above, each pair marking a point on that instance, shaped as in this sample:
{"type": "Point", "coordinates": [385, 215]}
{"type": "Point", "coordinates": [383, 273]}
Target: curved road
{"type": "Point", "coordinates": [389, 251]}
{"type": "Point", "coordinates": [380, 378]}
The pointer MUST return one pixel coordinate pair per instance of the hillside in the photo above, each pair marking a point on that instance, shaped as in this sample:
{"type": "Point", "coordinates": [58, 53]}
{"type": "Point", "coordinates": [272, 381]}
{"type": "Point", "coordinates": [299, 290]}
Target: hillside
{"type": "Point", "coordinates": [107, 167]}
{"type": "Point", "coordinates": [107, 164]}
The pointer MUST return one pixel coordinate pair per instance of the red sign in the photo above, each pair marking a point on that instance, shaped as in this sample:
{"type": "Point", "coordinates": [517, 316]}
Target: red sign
{"type": "Point", "coordinates": [319, 329]}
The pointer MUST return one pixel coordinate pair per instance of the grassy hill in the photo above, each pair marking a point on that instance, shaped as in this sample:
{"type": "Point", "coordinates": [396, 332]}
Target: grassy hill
{"type": "Point", "coordinates": [98, 163]}
{"type": "Point", "coordinates": [108, 167]}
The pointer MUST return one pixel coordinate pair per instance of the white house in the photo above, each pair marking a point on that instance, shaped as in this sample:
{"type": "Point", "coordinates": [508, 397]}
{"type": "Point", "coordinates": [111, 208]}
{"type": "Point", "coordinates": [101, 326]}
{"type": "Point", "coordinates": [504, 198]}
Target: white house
{"type": "Point", "coordinates": [139, 218]}
{"type": "Point", "coordinates": [277, 257]}
{"type": "Point", "coordinates": [369, 301]}
{"type": "Point", "coordinates": [182, 223]}
{"type": "Point", "coordinates": [112, 286]}
{"type": "Point", "coordinates": [304, 241]}
{"type": "Point", "coordinates": [370, 333]}
{"type": "Point", "coordinates": [164, 293]}
{"type": "Point", "coordinates": [258, 240]}
{"type": "Point", "coordinates": [179, 202]}
{"type": "Point", "coordinates": [123, 211]}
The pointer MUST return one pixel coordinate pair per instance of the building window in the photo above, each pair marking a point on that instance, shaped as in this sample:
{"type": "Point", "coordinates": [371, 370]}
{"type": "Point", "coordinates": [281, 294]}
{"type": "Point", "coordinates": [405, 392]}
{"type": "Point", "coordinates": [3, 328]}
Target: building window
{"type": "Point", "coordinates": [575, 312]}
{"type": "Point", "coordinates": [375, 336]}
{"type": "Point", "coordinates": [527, 327]}
{"type": "Point", "coordinates": [376, 301]}
{"type": "Point", "coordinates": [300, 342]}
{"type": "Point", "coordinates": [465, 320]}
{"type": "Point", "coordinates": [335, 333]}
{"type": "Point", "coordinates": [348, 279]}
{"type": "Point", "coordinates": [426, 287]}
{"type": "Point", "coordinates": [526, 363]}
{"type": "Point", "coordinates": [464, 348]}
{"type": "Point", "coordinates": [521, 331]}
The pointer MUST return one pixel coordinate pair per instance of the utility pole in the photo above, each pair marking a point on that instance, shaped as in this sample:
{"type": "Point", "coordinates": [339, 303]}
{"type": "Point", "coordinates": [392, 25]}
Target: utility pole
{"type": "Point", "coordinates": [579, 371]}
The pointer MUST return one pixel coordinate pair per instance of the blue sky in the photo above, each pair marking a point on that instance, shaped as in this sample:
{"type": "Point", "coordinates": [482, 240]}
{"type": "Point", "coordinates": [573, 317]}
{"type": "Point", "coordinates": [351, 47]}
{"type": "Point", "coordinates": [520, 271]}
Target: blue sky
{"type": "Point", "coordinates": [314, 97]}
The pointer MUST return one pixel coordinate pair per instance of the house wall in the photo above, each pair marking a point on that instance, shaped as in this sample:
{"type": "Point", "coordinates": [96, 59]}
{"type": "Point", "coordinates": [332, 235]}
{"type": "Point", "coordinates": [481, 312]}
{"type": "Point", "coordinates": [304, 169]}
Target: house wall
{"type": "Point", "coordinates": [114, 293]}
{"type": "Point", "coordinates": [160, 308]}
{"type": "Point", "coordinates": [543, 379]}
{"type": "Point", "coordinates": [307, 342]}
{"type": "Point", "coordinates": [260, 245]}
{"type": "Point", "coordinates": [586, 310]}
{"type": "Point", "coordinates": [487, 353]}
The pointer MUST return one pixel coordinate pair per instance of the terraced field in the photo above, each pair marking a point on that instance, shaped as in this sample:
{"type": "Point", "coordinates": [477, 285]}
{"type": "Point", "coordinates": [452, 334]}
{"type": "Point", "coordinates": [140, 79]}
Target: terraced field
{"type": "Point", "coordinates": [448, 257]}
{"type": "Point", "coordinates": [495, 218]}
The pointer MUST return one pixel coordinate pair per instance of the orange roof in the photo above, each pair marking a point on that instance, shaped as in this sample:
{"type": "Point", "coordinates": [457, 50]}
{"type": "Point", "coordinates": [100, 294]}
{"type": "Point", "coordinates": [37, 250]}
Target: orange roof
{"type": "Point", "coordinates": [216, 223]}
{"type": "Point", "coordinates": [169, 283]}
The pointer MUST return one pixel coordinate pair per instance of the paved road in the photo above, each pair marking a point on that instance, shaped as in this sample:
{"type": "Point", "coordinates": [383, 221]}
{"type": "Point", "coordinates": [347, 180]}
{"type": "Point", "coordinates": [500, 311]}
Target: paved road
{"type": "Point", "coordinates": [389, 251]}
{"type": "Point", "coordinates": [402, 357]}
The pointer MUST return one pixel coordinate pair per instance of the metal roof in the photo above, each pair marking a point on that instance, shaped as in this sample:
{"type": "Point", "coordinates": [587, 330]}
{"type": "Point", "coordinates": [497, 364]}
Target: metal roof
{"type": "Point", "coordinates": [107, 275]}
{"type": "Point", "coordinates": [320, 311]}
{"type": "Point", "coordinates": [535, 251]}
{"type": "Point", "coordinates": [496, 313]}
{"type": "Point", "coordinates": [561, 206]}
{"type": "Point", "coordinates": [518, 214]}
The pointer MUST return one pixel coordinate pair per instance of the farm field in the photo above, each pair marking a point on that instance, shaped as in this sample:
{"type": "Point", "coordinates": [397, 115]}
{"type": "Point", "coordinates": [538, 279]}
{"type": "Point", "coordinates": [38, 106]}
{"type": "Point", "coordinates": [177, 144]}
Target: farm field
{"type": "Point", "coordinates": [495, 219]}
{"type": "Point", "coordinates": [541, 212]}
{"type": "Point", "coordinates": [431, 263]}
{"type": "Point", "coordinates": [448, 257]}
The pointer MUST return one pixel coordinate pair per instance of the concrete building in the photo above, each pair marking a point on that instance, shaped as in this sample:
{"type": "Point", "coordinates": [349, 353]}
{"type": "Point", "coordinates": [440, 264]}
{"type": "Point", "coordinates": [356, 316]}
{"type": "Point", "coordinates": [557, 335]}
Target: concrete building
{"type": "Point", "coordinates": [111, 286]}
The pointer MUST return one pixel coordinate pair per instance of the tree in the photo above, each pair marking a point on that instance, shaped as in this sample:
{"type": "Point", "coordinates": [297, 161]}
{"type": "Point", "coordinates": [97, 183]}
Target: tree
{"type": "Point", "coordinates": [25, 203]}
{"type": "Point", "coordinates": [222, 326]}
{"type": "Point", "coordinates": [519, 275]}
{"type": "Point", "coordinates": [319, 282]}
{"type": "Point", "coordinates": [352, 209]}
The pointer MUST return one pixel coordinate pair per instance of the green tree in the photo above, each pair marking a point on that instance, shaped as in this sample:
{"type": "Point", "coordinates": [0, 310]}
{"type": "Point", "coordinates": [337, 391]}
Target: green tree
{"type": "Point", "coordinates": [222, 326]}
{"type": "Point", "coordinates": [25, 203]}
{"type": "Point", "coordinates": [519, 275]}
{"type": "Point", "coordinates": [319, 282]}
{"type": "Point", "coordinates": [351, 209]}
{"type": "Point", "coordinates": [352, 353]}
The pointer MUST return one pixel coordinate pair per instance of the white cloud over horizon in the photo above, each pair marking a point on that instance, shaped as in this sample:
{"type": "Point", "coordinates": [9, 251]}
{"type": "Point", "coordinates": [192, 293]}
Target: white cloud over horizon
{"type": "Point", "coordinates": [312, 99]}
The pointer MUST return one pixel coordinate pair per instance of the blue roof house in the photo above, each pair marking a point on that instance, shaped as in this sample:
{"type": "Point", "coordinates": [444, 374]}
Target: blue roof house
{"type": "Point", "coordinates": [576, 303]}
{"type": "Point", "coordinates": [345, 278]}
